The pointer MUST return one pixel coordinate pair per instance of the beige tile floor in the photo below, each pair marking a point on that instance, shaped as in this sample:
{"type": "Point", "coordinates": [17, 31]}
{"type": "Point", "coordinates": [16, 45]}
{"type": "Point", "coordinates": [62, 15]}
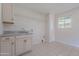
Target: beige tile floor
{"type": "Point", "coordinates": [53, 49]}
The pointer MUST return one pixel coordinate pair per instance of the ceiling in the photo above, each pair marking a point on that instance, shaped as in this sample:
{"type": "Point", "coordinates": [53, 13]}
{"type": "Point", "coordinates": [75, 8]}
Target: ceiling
{"type": "Point", "coordinates": [48, 7]}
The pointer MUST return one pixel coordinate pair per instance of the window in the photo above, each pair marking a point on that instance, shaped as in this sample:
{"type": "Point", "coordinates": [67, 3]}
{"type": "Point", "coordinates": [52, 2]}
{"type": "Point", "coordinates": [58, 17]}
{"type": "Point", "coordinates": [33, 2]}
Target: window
{"type": "Point", "coordinates": [64, 22]}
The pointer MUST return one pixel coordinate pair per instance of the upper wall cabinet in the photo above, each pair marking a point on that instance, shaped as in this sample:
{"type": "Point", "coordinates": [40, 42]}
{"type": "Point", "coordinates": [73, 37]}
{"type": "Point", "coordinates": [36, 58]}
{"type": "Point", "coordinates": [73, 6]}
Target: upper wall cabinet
{"type": "Point", "coordinates": [0, 10]}
{"type": "Point", "coordinates": [1, 26]}
{"type": "Point", "coordinates": [7, 13]}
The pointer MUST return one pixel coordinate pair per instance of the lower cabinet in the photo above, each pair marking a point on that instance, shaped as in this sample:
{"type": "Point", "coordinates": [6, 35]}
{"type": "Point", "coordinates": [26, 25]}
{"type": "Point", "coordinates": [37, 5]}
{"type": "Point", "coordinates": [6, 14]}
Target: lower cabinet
{"type": "Point", "coordinates": [19, 46]}
{"type": "Point", "coordinates": [28, 44]}
{"type": "Point", "coordinates": [7, 46]}
{"type": "Point", "coordinates": [12, 46]}
{"type": "Point", "coordinates": [23, 45]}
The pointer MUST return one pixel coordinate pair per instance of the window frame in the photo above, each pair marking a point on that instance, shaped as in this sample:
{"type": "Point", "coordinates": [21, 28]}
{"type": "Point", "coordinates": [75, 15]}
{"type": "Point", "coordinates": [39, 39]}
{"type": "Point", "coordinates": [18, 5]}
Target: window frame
{"type": "Point", "coordinates": [64, 22]}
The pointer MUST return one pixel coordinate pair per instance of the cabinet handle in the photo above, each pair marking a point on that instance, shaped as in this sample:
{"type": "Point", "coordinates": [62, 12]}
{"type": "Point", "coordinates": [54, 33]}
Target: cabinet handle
{"type": "Point", "coordinates": [12, 43]}
{"type": "Point", "coordinates": [25, 40]}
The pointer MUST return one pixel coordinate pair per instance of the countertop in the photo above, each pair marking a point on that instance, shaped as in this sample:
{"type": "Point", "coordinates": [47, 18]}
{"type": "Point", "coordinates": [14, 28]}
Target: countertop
{"type": "Point", "coordinates": [14, 34]}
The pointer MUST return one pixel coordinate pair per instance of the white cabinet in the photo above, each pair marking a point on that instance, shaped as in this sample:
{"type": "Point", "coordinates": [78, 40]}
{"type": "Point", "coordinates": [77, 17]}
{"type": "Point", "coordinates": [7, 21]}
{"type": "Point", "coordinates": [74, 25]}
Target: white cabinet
{"type": "Point", "coordinates": [23, 44]}
{"type": "Point", "coordinates": [11, 46]}
{"type": "Point", "coordinates": [19, 46]}
{"type": "Point", "coordinates": [7, 13]}
{"type": "Point", "coordinates": [0, 10]}
{"type": "Point", "coordinates": [1, 27]}
{"type": "Point", "coordinates": [28, 44]}
{"type": "Point", "coordinates": [13, 49]}
{"type": "Point", "coordinates": [7, 46]}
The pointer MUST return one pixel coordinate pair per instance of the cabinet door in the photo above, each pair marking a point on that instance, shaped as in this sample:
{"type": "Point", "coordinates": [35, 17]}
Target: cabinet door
{"type": "Point", "coordinates": [0, 10]}
{"type": "Point", "coordinates": [5, 47]}
{"type": "Point", "coordinates": [7, 11]}
{"type": "Point", "coordinates": [13, 51]}
{"type": "Point", "coordinates": [1, 27]}
{"type": "Point", "coordinates": [27, 44]}
{"type": "Point", "coordinates": [0, 45]}
{"type": "Point", "coordinates": [19, 46]}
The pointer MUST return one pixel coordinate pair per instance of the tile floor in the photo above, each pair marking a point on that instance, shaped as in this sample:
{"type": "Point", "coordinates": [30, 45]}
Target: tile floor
{"type": "Point", "coordinates": [53, 49]}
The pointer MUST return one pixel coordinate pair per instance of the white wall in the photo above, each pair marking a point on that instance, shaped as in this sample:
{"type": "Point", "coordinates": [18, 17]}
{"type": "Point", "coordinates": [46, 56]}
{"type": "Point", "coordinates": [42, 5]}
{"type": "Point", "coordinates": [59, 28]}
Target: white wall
{"type": "Point", "coordinates": [24, 18]}
{"type": "Point", "coordinates": [1, 28]}
{"type": "Point", "coordinates": [69, 36]}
